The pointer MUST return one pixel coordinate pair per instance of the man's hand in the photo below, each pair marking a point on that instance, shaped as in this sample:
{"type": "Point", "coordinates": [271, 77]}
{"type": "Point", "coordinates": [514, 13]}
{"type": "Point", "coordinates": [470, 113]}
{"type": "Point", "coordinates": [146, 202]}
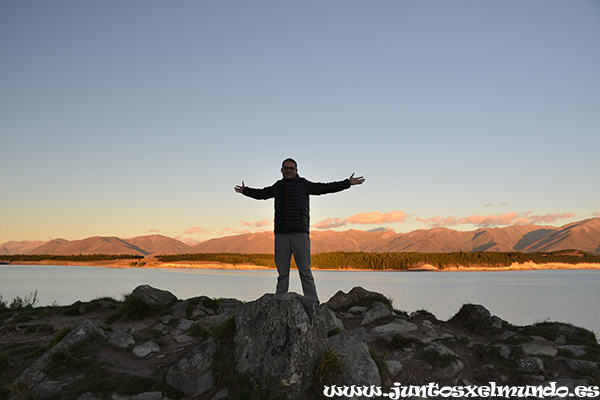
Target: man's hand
{"type": "Point", "coordinates": [353, 181]}
{"type": "Point", "coordinates": [240, 189]}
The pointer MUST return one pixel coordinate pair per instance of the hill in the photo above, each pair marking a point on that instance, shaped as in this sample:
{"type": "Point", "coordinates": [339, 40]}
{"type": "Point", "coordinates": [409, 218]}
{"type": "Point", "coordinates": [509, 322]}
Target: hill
{"type": "Point", "coordinates": [582, 235]}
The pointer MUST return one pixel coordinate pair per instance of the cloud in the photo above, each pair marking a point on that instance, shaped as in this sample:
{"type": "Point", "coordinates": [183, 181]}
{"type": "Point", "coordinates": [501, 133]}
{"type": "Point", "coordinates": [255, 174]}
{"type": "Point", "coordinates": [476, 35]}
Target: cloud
{"type": "Point", "coordinates": [369, 218]}
{"type": "Point", "coordinates": [377, 218]}
{"type": "Point", "coordinates": [257, 224]}
{"type": "Point", "coordinates": [596, 214]}
{"type": "Point", "coordinates": [511, 218]}
{"type": "Point", "coordinates": [505, 204]}
{"type": "Point", "coordinates": [194, 230]}
{"type": "Point", "coordinates": [154, 230]}
{"type": "Point", "coordinates": [330, 223]}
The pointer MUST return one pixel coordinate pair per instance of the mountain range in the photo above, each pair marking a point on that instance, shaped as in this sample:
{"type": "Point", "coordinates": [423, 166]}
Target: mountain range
{"type": "Point", "coordinates": [582, 235]}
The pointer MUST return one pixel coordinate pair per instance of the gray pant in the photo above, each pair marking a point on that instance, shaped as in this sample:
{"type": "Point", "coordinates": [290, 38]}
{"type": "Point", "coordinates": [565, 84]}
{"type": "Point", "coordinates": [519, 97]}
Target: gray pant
{"type": "Point", "coordinates": [297, 244]}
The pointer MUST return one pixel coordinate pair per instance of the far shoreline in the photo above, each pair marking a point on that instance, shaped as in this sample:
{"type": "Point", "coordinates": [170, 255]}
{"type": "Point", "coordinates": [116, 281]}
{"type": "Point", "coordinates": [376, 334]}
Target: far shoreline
{"type": "Point", "coordinates": [208, 265]}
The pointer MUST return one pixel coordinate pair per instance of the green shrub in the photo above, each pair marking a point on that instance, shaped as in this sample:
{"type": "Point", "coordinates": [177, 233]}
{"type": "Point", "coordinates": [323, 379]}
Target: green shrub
{"type": "Point", "coordinates": [28, 301]}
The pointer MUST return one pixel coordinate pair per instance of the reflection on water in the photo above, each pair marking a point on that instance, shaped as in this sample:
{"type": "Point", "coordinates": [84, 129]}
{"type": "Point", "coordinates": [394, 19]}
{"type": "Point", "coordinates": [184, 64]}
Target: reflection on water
{"type": "Point", "coordinates": [520, 297]}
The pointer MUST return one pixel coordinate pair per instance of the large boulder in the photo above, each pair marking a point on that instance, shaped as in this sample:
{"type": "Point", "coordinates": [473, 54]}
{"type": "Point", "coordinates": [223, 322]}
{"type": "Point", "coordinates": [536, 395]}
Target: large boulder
{"type": "Point", "coordinates": [476, 317]}
{"type": "Point", "coordinates": [358, 296]}
{"type": "Point", "coordinates": [281, 339]}
{"type": "Point", "coordinates": [153, 296]}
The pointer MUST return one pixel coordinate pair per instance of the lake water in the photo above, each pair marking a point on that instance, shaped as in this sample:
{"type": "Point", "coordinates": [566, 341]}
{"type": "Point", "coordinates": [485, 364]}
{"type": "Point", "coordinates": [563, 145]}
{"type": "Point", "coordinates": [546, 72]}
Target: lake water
{"type": "Point", "coordinates": [519, 297]}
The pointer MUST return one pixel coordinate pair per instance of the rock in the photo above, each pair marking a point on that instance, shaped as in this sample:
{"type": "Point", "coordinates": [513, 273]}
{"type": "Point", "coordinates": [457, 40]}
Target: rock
{"type": "Point", "coordinates": [221, 395]}
{"type": "Point", "coordinates": [333, 322]}
{"type": "Point", "coordinates": [357, 310]}
{"type": "Point", "coordinates": [121, 339]}
{"type": "Point", "coordinates": [183, 339]}
{"type": "Point", "coordinates": [447, 364]}
{"type": "Point", "coordinates": [393, 367]}
{"type": "Point", "coordinates": [477, 318]}
{"type": "Point", "coordinates": [377, 312]}
{"type": "Point", "coordinates": [153, 296]}
{"type": "Point", "coordinates": [388, 331]}
{"type": "Point", "coordinates": [356, 297]}
{"type": "Point", "coordinates": [34, 375]}
{"type": "Point", "coordinates": [143, 350]}
{"type": "Point", "coordinates": [88, 396]}
{"type": "Point", "coordinates": [580, 365]}
{"type": "Point", "coordinates": [504, 351]}
{"type": "Point", "coordinates": [281, 338]}
{"type": "Point", "coordinates": [530, 365]}
{"type": "Point", "coordinates": [539, 347]}
{"type": "Point", "coordinates": [184, 325]}
{"type": "Point", "coordinates": [148, 396]}
{"type": "Point", "coordinates": [576, 351]}
{"type": "Point", "coordinates": [360, 369]}
{"type": "Point", "coordinates": [192, 375]}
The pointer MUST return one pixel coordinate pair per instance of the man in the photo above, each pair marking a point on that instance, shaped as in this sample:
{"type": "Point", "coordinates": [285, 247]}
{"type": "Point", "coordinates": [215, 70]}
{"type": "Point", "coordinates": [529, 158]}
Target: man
{"type": "Point", "coordinates": [292, 221]}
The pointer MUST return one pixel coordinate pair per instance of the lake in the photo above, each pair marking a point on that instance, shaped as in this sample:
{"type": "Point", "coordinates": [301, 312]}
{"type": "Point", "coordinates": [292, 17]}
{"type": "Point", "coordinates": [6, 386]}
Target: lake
{"type": "Point", "coordinates": [519, 297]}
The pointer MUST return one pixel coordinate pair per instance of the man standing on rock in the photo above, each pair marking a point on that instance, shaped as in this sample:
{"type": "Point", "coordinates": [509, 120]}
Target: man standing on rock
{"type": "Point", "coordinates": [292, 220]}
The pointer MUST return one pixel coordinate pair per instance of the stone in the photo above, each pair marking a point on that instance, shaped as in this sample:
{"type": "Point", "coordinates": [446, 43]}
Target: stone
{"type": "Point", "coordinates": [575, 350]}
{"type": "Point", "coordinates": [148, 396]}
{"type": "Point", "coordinates": [121, 339]}
{"type": "Point", "coordinates": [388, 331]}
{"type": "Point", "coordinates": [145, 349]}
{"type": "Point", "coordinates": [34, 376]}
{"type": "Point", "coordinates": [153, 296]}
{"type": "Point", "coordinates": [358, 296]}
{"type": "Point", "coordinates": [504, 351]}
{"type": "Point", "coordinates": [334, 322]}
{"type": "Point", "coordinates": [393, 367]}
{"type": "Point", "coordinates": [377, 312]}
{"type": "Point", "coordinates": [183, 339]}
{"type": "Point", "coordinates": [580, 365]}
{"type": "Point", "coordinates": [476, 317]}
{"type": "Point", "coordinates": [192, 375]}
{"type": "Point", "coordinates": [447, 363]}
{"type": "Point", "coordinates": [539, 347]}
{"type": "Point", "coordinates": [184, 325]}
{"type": "Point", "coordinates": [360, 369]}
{"type": "Point", "coordinates": [357, 310]}
{"type": "Point", "coordinates": [530, 365]}
{"type": "Point", "coordinates": [281, 339]}
{"type": "Point", "coordinates": [88, 396]}
{"type": "Point", "coordinates": [221, 395]}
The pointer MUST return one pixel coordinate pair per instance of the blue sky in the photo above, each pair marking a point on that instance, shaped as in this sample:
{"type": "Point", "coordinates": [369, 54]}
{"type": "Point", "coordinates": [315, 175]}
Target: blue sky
{"type": "Point", "coordinates": [139, 117]}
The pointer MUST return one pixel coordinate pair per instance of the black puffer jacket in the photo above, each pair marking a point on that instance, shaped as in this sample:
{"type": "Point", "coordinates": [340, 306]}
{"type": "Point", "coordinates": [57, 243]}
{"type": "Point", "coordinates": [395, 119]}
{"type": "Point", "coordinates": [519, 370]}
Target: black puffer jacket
{"type": "Point", "coordinates": [292, 208]}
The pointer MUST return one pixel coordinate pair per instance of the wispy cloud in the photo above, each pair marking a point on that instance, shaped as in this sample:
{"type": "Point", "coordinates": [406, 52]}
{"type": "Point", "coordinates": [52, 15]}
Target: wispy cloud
{"type": "Point", "coordinates": [153, 231]}
{"type": "Point", "coordinates": [257, 224]}
{"type": "Point", "coordinates": [596, 214]}
{"type": "Point", "coordinates": [511, 218]}
{"type": "Point", "coordinates": [496, 205]}
{"type": "Point", "coordinates": [374, 217]}
{"type": "Point", "coordinates": [194, 230]}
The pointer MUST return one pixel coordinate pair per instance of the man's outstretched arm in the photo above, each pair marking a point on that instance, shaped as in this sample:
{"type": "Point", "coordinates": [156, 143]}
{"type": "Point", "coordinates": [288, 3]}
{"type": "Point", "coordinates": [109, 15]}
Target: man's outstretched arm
{"type": "Point", "coordinates": [318, 188]}
{"type": "Point", "coordinates": [258, 194]}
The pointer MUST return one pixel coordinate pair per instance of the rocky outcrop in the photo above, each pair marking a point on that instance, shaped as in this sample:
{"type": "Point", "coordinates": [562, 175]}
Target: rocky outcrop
{"type": "Point", "coordinates": [275, 347]}
{"type": "Point", "coordinates": [281, 339]}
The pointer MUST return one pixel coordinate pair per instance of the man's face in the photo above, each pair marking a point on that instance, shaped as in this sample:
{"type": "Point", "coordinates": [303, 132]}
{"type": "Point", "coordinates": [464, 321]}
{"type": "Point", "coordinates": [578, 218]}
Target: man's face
{"type": "Point", "coordinates": [289, 170]}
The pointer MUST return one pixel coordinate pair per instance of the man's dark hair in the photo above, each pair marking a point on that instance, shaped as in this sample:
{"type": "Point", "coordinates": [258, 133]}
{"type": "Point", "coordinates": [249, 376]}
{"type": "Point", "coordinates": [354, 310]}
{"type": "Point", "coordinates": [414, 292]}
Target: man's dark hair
{"type": "Point", "coordinates": [289, 159]}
